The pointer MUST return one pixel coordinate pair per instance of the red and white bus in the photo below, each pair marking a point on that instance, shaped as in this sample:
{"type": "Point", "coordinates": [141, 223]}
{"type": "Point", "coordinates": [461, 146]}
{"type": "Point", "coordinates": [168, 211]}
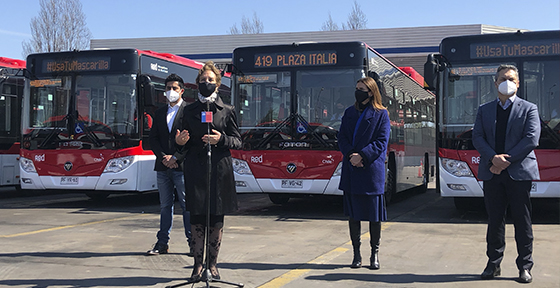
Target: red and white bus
{"type": "Point", "coordinates": [11, 89]}
{"type": "Point", "coordinates": [87, 117]}
{"type": "Point", "coordinates": [286, 97]}
{"type": "Point", "coordinates": [463, 77]}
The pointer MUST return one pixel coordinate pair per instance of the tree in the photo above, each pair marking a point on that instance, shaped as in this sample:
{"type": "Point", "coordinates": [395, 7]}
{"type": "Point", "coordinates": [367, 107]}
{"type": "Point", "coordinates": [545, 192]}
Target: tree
{"type": "Point", "coordinates": [329, 25]}
{"type": "Point", "coordinates": [356, 19]}
{"type": "Point", "coordinates": [60, 26]}
{"type": "Point", "coordinates": [254, 26]}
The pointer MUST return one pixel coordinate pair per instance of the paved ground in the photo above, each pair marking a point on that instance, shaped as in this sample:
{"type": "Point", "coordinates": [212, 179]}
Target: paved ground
{"type": "Point", "coordinates": [67, 240]}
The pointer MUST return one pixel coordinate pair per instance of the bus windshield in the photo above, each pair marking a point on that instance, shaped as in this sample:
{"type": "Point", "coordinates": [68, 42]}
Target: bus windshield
{"type": "Point", "coordinates": [469, 86]}
{"type": "Point", "coordinates": [272, 110]}
{"type": "Point", "coordinates": [100, 108]}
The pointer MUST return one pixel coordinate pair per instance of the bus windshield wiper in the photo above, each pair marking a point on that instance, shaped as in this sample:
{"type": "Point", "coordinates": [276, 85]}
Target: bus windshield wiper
{"type": "Point", "coordinates": [551, 132]}
{"type": "Point", "coordinates": [54, 132]}
{"type": "Point", "coordinates": [88, 132]}
{"type": "Point", "coordinates": [292, 119]}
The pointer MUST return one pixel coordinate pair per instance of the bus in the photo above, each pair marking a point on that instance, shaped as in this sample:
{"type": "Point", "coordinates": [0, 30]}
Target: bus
{"type": "Point", "coordinates": [87, 116]}
{"type": "Point", "coordinates": [11, 89]}
{"type": "Point", "coordinates": [289, 100]}
{"type": "Point", "coordinates": [462, 76]}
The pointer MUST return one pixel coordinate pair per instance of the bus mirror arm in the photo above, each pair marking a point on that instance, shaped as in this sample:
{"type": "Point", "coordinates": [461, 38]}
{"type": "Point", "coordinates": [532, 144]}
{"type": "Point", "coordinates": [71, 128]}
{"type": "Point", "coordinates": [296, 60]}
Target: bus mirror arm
{"type": "Point", "coordinates": [434, 64]}
{"type": "Point", "coordinates": [147, 90]}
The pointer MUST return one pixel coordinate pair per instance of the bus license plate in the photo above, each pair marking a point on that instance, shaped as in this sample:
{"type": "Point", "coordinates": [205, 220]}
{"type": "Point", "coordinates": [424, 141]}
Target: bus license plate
{"type": "Point", "coordinates": [69, 181]}
{"type": "Point", "coordinates": [292, 183]}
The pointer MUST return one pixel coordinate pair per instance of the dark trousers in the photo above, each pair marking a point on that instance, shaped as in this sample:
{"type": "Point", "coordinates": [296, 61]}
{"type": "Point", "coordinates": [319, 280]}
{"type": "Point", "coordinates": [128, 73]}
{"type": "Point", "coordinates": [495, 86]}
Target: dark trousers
{"type": "Point", "coordinates": [499, 192]}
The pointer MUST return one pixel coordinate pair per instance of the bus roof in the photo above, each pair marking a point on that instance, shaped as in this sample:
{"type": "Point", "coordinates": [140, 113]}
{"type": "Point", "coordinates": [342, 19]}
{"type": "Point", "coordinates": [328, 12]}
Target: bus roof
{"type": "Point", "coordinates": [163, 56]}
{"type": "Point", "coordinates": [496, 37]}
{"type": "Point", "coordinates": [12, 63]}
{"type": "Point", "coordinates": [172, 58]}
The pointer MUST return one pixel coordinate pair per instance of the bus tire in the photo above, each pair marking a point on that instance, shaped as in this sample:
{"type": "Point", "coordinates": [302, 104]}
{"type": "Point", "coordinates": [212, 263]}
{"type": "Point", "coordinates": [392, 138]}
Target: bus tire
{"type": "Point", "coordinates": [98, 196]}
{"type": "Point", "coordinates": [279, 199]}
{"type": "Point", "coordinates": [391, 180]}
{"type": "Point", "coordinates": [425, 174]}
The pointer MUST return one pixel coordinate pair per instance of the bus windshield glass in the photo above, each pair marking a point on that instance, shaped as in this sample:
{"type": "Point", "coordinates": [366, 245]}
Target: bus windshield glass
{"type": "Point", "coordinates": [275, 109]}
{"type": "Point", "coordinates": [99, 108]}
{"type": "Point", "coordinates": [470, 86]}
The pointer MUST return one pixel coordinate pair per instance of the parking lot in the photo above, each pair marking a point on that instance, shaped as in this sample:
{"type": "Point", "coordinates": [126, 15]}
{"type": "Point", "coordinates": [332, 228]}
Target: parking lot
{"type": "Point", "coordinates": [68, 240]}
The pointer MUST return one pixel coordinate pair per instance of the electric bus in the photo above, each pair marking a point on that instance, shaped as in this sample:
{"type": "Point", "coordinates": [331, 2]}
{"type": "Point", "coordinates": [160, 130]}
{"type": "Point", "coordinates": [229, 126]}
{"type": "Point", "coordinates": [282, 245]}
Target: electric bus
{"type": "Point", "coordinates": [462, 76]}
{"type": "Point", "coordinates": [87, 116]}
{"type": "Point", "coordinates": [289, 101]}
{"type": "Point", "coordinates": [11, 89]}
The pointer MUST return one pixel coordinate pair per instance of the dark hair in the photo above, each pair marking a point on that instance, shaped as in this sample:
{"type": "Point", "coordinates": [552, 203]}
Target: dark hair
{"type": "Point", "coordinates": [506, 67]}
{"type": "Point", "coordinates": [174, 77]}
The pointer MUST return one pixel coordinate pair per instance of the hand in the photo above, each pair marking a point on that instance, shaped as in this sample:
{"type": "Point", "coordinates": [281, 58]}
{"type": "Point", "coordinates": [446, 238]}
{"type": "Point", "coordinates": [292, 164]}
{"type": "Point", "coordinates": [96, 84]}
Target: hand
{"type": "Point", "coordinates": [182, 137]}
{"type": "Point", "coordinates": [212, 138]}
{"type": "Point", "coordinates": [169, 162]}
{"type": "Point", "coordinates": [500, 161]}
{"type": "Point", "coordinates": [356, 160]}
{"type": "Point", "coordinates": [495, 170]}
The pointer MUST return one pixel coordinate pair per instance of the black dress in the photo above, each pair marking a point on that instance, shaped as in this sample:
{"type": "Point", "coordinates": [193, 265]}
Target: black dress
{"type": "Point", "coordinates": [223, 196]}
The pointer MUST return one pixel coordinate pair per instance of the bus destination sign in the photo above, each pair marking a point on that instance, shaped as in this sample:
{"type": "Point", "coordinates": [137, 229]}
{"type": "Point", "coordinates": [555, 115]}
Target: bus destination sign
{"type": "Point", "coordinates": [77, 65]}
{"type": "Point", "coordinates": [548, 47]}
{"type": "Point", "coordinates": [292, 59]}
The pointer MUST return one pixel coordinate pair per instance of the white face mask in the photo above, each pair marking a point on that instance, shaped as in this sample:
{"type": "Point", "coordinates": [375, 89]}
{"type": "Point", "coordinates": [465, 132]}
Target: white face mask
{"type": "Point", "coordinates": [172, 95]}
{"type": "Point", "coordinates": [507, 88]}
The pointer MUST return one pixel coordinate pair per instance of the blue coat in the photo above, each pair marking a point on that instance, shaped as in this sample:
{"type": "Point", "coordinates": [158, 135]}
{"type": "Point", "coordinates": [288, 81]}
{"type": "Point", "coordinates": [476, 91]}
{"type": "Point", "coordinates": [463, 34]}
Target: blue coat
{"type": "Point", "coordinates": [522, 136]}
{"type": "Point", "coordinates": [372, 138]}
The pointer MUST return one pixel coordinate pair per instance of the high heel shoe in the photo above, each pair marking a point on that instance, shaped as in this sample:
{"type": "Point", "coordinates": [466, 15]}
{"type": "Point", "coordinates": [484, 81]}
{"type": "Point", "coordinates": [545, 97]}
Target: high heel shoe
{"type": "Point", "coordinates": [196, 274]}
{"type": "Point", "coordinates": [215, 273]}
{"type": "Point", "coordinates": [356, 262]}
{"type": "Point", "coordinates": [374, 261]}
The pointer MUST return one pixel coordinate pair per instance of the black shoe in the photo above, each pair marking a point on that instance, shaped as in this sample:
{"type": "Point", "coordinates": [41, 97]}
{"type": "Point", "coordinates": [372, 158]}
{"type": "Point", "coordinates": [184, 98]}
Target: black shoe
{"type": "Point", "coordinates": [356, 262]}
{"type": "Point", "coordinates": [191, 252]}
{"type": "Point", "coordinates": [525, 276]}
{"type": "Point", "coordinates": [491, 272]}
{"type": "Point", "coordinates": [374, 262]}
{"type": "Point", "coordinates": [158, 249]}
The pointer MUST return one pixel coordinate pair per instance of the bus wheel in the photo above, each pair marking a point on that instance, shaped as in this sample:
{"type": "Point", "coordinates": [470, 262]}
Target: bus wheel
{"type": "Point", "coordinates": [390, 183]}
{"type": "Point", "coordinates": [425, 174]}
{"type": "Point", "coordinates": [98, 196]}
{"type": "Point", "coordinates": [279, 199]}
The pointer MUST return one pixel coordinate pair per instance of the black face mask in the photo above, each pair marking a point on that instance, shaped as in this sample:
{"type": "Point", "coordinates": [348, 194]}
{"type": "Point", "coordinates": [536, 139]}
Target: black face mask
{"type": "Point", "coordinates": [206, 89]}
{"type": "Point", "coordinates": [361, 96]}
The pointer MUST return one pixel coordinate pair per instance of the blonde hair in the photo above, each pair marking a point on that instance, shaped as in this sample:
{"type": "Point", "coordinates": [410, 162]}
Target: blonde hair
{"type": "Point", "coordinates": [376, 100]}
{"type": "Point", "coordinates": [209, 66]}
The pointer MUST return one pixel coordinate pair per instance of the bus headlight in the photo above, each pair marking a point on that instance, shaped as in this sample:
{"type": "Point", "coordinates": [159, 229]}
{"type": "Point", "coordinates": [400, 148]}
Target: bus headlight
{"type": "Point", "coordinates": [456, 167]}
{"type": "Point", "coordinates": [241, 167]}
{"type": "Point", "coordinates": [118, 164]}
{"type": "Point", "coordinates": [27, 165]}
{"type": "Point", "coordinates": [338, 170]}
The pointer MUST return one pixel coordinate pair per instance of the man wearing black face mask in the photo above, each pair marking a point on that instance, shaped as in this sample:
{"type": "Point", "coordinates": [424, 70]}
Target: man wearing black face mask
{"type": "Point", "coordinates": [363, 138]}
{"type": "Point", "coordinates": [194, 136]}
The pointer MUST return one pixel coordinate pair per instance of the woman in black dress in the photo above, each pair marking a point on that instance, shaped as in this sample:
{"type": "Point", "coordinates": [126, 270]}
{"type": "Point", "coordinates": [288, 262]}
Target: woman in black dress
{"type": "Point", "coordinates": [194, 136]}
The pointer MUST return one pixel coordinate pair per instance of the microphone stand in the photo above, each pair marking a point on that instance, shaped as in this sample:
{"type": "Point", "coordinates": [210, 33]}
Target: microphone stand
{"type": "Point", "coordinates": [206, 275]}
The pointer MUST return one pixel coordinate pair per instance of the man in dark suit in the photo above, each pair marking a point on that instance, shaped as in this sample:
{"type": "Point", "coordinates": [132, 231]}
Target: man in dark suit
{"type": "Point", "coordinates": [505, 133]}
{"type": "Point", "coordinates": [169, 162]}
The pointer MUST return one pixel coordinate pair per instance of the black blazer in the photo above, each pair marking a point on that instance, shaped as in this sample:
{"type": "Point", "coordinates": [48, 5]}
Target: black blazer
{"type": "Point", "coordinates": [223, 198]}
{"type": "Point", "coordinates": [162, 142]}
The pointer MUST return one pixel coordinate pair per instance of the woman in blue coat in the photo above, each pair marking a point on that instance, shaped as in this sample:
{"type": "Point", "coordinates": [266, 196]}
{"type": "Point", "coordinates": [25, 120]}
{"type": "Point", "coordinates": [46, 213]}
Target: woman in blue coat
{"type": "Point", "coordinates": [363, 139]}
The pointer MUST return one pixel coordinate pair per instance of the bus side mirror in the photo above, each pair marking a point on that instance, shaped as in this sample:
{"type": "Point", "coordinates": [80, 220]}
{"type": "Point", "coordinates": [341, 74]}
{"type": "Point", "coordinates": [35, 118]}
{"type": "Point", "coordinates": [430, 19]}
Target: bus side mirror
{"type": "Point", "coordinates": [432, 67]}
{"type": "Point", "coordinates": [147, 90]}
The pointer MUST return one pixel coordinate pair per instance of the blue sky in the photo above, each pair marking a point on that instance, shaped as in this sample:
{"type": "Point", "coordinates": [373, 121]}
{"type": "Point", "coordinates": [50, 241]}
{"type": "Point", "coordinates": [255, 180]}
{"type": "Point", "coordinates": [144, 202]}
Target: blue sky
{"type": "Point", "coordinates": [162, 18]}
